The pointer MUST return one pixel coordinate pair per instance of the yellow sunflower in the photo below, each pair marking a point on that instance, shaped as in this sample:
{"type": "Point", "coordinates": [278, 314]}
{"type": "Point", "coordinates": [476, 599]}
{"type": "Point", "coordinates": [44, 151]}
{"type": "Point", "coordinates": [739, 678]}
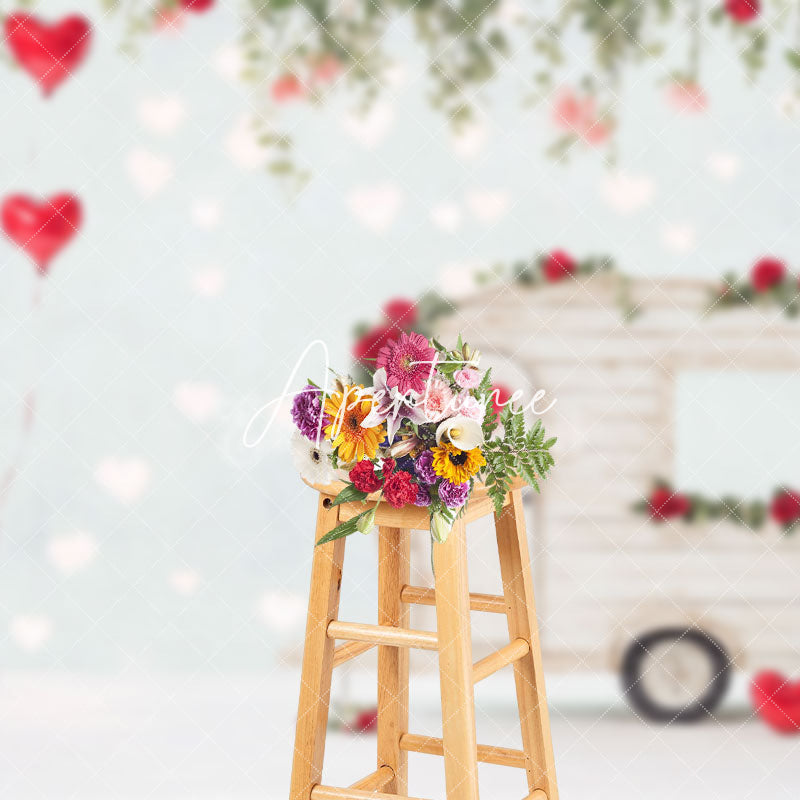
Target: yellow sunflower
{"type": "Point", "coordinates": [457, 466]}
{"type": "Point", "coordinates": [346, 410]}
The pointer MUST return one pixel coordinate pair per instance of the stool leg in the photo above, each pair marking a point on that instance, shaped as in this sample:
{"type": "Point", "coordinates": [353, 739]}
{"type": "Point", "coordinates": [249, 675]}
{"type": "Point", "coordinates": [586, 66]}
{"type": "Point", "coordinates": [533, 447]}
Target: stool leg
{"type": "Point", "coordinates": [455, 666]}
{"type": "Point", "coordinates": [393, 573]}
{"type": "Point", "coordinates": [512, 545]}
{"type": "Point", "coordinates": [315, 681]}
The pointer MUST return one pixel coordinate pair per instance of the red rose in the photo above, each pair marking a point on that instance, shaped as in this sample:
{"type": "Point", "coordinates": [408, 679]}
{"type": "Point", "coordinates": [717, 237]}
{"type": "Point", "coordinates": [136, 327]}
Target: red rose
{"type": "Point", "coordinates": [500, 396]}
{"type": "Point", "coordinates": [401, 312]}
{"type": "Point", "coordinates": [364, 478]}
{"type": "Point", "coordinates": [387, 468]}
{"type": "Point", "coordinates": [399, 490]}
{"type": "Point", "coordinates": [365, 721]}
{"type": "Point", "coordinates": [196, 6]}
{"type": "Point", "coordinates": [366, 348]}
{"type": "Point", "coordinates": [665, 503]}
{"type": "Point", "coordinates": [743, 10]}
{"type": "Point", "coordinates": [766, 273]}
{"type": "Point", "coordinates": [558, 265]}
{"type": "Point", "coordinates": [785, 508]}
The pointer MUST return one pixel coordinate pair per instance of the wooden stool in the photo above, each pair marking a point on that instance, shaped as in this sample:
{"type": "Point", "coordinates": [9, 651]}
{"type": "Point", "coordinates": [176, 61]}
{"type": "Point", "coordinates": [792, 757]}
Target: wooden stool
{"type": "Point", "coordinates": [392, 636]}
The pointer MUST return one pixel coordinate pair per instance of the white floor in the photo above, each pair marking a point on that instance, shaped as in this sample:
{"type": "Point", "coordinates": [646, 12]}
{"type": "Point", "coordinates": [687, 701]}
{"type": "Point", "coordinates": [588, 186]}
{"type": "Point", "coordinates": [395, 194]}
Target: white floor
{"type": "Point", "coordinates": [169, 738]}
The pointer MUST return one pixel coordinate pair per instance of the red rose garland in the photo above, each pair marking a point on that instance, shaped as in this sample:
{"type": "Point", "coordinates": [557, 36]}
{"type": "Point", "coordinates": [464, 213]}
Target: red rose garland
{"type": "Point", "coordinates": [785, 507]}
{"type": "Point", "coordinates": [665, 503]}
{"type": "Point", "coordinates": [766, 273]}
{"type": "Point", "coordinates": [769, 281]}
{"type": "Point", "coordinates": [559, 265]}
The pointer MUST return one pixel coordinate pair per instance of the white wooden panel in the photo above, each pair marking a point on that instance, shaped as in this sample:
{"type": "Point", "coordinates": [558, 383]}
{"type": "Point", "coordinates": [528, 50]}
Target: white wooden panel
{"type": "Point", "coordinates": [599, 563]}
{"type": "Point", "coordinates": [595, 532]}
{"type": "Point", "coordinates": [686, 577]}
{"type": "Point", "coordinates": [595, 633]}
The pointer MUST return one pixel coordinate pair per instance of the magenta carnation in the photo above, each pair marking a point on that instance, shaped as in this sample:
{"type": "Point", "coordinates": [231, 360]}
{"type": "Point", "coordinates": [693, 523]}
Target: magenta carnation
{"type": "Point", "coordinates": [423, 498]}
{"type": "Point", "coordinates": [423, 466]}
{"type": "Point", "coordinates": [454, 495]}
{"type": "Point", "coordinates": [307, 411]}
{"type": "Point", "coordinates": [408, 361]}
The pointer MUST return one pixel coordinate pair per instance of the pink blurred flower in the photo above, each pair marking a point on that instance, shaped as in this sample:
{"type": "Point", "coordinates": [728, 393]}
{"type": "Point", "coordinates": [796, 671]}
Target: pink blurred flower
{"type": "Point", "coordinates": [467, 378]}
{"type": "Point", "coordinates": [326, 70]}
{"type": "Point", "coordinates": [571, 112]}
{"type": "Point", "coordinates": [596, 133]}
{"type": "Point", "coordinates": [169, 19]}
{"type": "Point", "coordinates": [687, 97]}
{"type": "Point", "coordinates": [287, 87]}
{"type": "Point", "coordinates": [578, 115]}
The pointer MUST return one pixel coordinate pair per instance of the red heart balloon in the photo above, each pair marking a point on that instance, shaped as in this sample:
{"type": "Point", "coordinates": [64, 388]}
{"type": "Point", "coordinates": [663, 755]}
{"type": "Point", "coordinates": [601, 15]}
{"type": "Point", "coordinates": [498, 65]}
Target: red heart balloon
{"type": "Point", "coordinates": [41, 229]}
{"type": "Point", "coordinates": [50, 53]}
{"type": "Point", "coordinates": [777, 700]}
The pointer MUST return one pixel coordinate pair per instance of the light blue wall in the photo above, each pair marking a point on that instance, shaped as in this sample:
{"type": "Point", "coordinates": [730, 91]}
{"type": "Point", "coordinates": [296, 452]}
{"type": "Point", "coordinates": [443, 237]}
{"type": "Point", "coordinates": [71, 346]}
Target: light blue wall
{"type": "Point", "coordinates": [204, 567]}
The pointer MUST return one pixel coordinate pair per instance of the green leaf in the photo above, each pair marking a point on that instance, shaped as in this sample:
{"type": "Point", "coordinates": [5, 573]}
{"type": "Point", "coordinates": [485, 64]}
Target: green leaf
{"type": "Point", "coordinates": [348, 495]}
{"type": "Point", "coordinates": [344, 529]}
{"type": "Point", "coordinates": [793, 57]}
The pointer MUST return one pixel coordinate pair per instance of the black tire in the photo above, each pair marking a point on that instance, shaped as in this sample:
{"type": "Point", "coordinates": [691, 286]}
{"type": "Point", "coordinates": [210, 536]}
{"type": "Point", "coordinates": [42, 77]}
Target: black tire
{"type": "Point", "coordinates": [635, 667]}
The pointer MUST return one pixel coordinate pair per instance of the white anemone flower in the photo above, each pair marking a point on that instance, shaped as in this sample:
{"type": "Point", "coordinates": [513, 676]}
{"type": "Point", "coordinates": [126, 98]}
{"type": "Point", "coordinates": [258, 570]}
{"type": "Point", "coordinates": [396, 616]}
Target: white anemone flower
{"type": "Point", "coordinates": [312, 462]}
{"type": "Point", "coordinates": [463, 432]}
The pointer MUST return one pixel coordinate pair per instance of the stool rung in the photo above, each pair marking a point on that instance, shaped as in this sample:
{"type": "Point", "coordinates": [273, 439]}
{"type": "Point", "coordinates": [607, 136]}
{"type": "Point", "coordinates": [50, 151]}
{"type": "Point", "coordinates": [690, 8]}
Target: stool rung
{"type": "Point", "coordinates": [513, 651]}
{"type": "Point", "coordinates": [375, 781]}
{"type": "Point", "coordinates": [320, 792]}
{"type": "Point", "coordinates": [383, 634]}
{"type": "Point", "coordinates": [537, 794]}
{"type": "Point", "coordinates": [504, 756]}
{"type": "Point", "coordinates": [344, 652]}
{"type": "Point", "coordinates": [492, 603]}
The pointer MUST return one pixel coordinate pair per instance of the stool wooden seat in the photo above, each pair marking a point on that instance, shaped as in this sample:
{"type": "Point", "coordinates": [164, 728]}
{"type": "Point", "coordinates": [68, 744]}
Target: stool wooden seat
{"type": "Point", "coordinates": [452, 639]}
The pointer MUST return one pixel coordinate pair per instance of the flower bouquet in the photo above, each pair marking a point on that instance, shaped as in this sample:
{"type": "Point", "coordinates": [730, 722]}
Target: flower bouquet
{"type": "Point", "coordinates": [422, 434]}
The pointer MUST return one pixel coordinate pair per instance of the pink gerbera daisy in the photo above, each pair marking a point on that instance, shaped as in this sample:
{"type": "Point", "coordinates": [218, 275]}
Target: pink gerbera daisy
{"type": "Point", "coordinates": [408, 361]}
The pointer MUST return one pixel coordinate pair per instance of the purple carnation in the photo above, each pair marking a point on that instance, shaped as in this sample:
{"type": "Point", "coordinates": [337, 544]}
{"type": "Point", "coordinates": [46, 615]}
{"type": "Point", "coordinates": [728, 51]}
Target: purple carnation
{"type": "Point", "coordinates": [307, 410]}
{"type": "Point", "coordinates": [454, 495]}
{"type": "Point", "coordinates": [423, 498]}
{"type": "Point", "coordinates": [423, 466]}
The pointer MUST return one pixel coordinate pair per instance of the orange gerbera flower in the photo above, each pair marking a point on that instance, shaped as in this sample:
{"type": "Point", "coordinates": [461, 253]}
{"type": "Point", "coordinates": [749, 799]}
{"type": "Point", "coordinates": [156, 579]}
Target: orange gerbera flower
{"type": "Point", "coordinates": [347, 410]}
